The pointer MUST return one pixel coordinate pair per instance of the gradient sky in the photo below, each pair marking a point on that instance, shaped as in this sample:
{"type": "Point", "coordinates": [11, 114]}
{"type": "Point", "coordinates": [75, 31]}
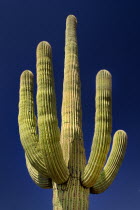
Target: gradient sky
{"type": "Point", "coordinates": [108, 38]}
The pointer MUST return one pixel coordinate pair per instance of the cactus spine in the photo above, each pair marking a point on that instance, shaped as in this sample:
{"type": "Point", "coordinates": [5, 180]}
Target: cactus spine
{"type": "Point", "coordinates": [57, 159]}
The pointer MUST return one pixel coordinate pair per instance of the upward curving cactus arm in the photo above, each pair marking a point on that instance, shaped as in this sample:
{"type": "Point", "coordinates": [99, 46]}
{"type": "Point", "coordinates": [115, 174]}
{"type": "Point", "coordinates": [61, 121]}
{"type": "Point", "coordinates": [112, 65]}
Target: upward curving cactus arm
{"type": "Point", "coordinates": [113, 164]}
{"type": "Point", "coordinates": [49, 134]}
{"type": "Point", "coordinates": [103, 126]}
{"type": "Point", "coordinates": [37, 177]}
{"type": "Point", "coordinates": [27, 123]}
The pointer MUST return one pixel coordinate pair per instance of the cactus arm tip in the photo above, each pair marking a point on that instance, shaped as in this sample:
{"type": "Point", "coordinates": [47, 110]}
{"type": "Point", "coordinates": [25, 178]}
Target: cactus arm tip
{"type": "Point", "coordinates": [43, 49]}
{"type": "Point", "coordinates": [71, 18]}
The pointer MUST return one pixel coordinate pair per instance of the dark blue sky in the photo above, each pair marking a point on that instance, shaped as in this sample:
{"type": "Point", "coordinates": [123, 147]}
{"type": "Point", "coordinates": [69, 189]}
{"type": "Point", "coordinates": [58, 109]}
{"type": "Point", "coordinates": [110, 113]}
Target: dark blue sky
{"type": "Point", "coordinates": [108, 37]}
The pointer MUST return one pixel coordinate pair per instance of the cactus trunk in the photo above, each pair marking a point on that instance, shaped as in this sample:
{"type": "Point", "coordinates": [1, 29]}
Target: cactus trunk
{"type": "Point", "coordinates": [71, 195]}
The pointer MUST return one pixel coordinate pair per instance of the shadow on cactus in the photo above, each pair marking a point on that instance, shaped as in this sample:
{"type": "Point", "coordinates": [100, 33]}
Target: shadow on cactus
{"type": "Point", "coordinates": [57, 159]}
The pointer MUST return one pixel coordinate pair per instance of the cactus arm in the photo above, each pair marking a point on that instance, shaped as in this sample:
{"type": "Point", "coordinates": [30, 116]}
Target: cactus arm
{"type": "Point", "coordinates": [27, 122]}
{"type": "Point", "coordinates": [49, 134]}
{"type": "Point", "coordinates": [38, 178]}
{"type": "Point", "coordinates": [71, 130]}
{"type": "Point", "coordinates": [113, 163]}
{"type": "Point", "coordinates": [102, 134]}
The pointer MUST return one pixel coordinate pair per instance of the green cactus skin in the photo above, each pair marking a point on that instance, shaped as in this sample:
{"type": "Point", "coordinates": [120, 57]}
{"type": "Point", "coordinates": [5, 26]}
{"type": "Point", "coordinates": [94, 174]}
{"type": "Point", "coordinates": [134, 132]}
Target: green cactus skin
{"type": "Point", "coordinates": [37, 177]}
{"type": "Point", "coordinates": [112, 166]}
{"type": "Point", "coordinates": [57, 159]}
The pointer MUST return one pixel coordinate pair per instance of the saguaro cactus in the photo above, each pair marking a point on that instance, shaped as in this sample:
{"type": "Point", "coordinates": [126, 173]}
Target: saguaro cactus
{"type": "Point", "coordinates": [57, 159]}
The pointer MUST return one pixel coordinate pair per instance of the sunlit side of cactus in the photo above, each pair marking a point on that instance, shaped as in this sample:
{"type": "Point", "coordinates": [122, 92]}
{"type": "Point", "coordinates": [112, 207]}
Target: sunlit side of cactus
{"type": "Point", "coordinates": [56, 159]}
